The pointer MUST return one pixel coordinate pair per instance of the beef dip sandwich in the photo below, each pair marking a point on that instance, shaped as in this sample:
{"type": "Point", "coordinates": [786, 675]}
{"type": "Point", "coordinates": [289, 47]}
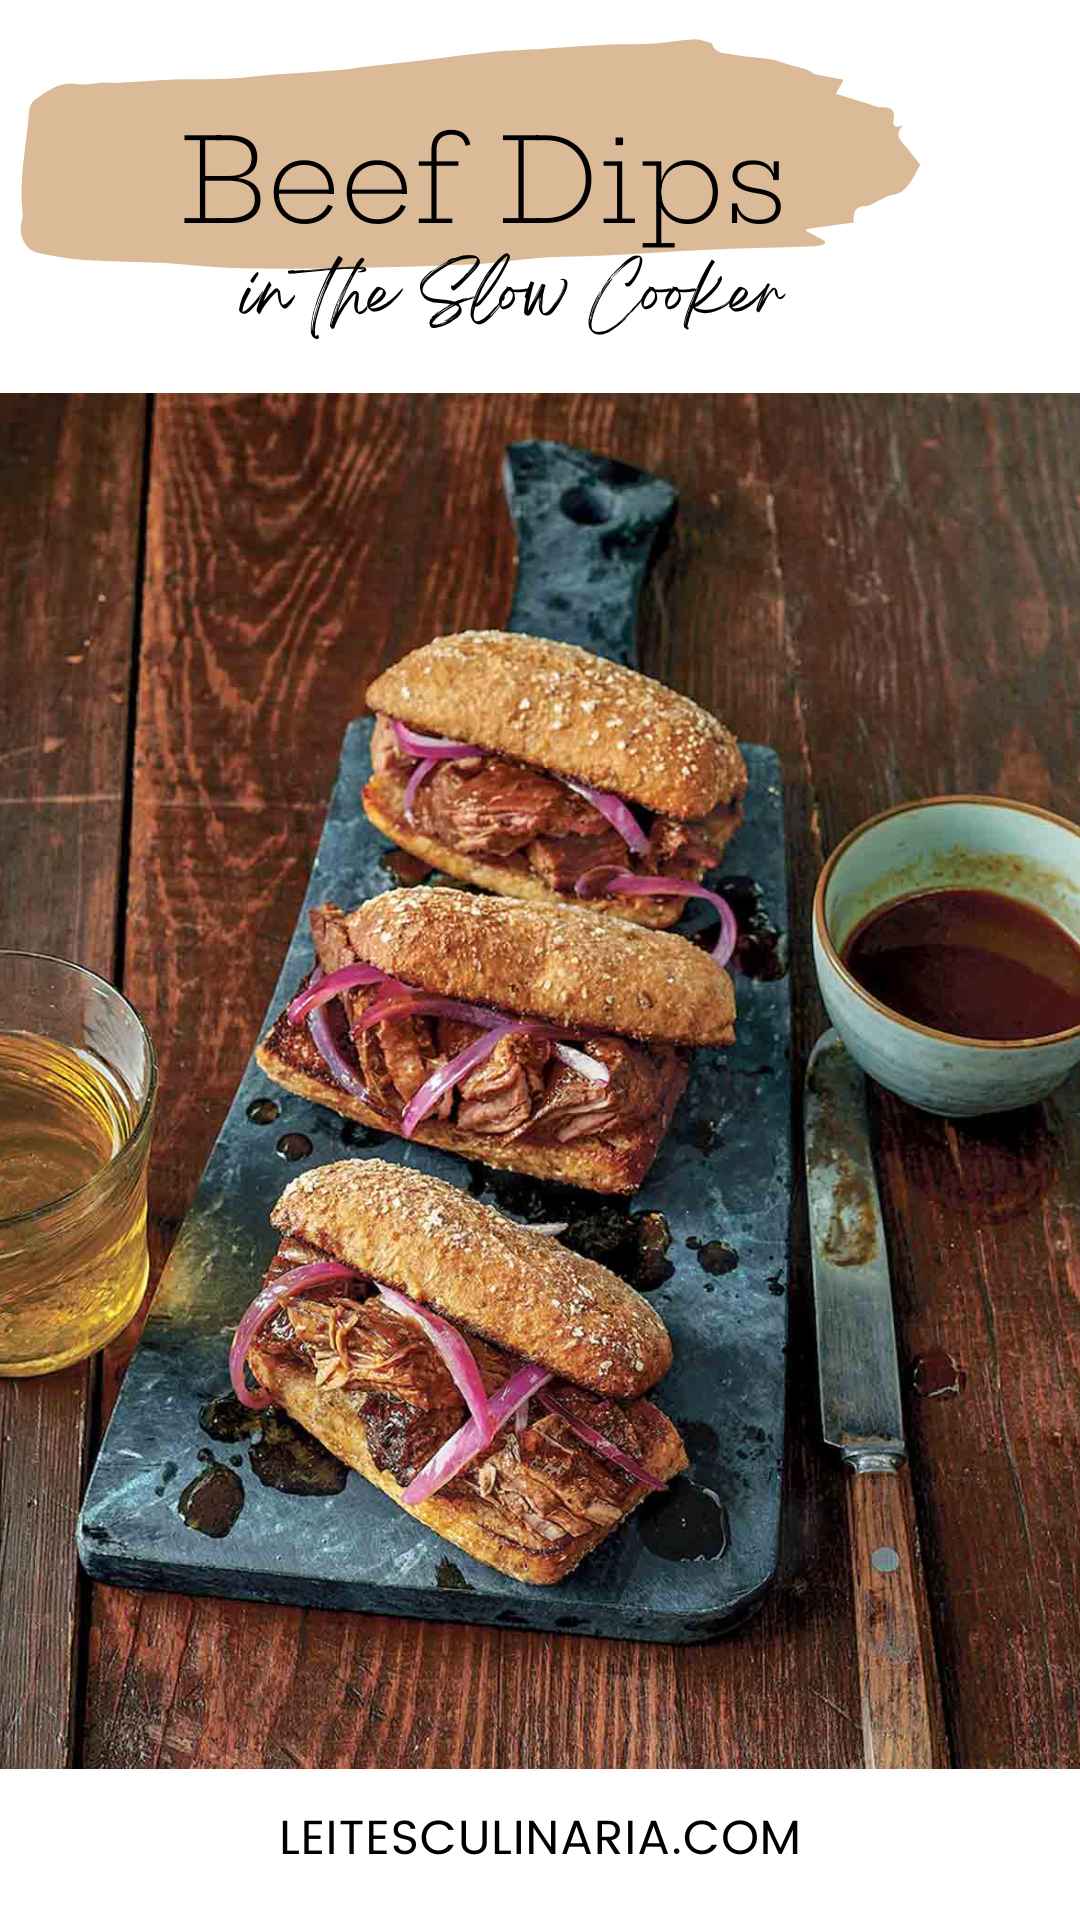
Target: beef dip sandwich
{"type": "Point", "coordinates": [485, 1377]}
{"type": "Point", "coordinates": [536, 769]}
{"type": "Point", "coordinates": [530, 1036]}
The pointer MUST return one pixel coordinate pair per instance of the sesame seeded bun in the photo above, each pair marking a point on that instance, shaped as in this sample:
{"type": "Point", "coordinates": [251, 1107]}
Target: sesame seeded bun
{"type": "Point", "coordinates": [522, 1291]}
{"type": "Point", "coordinates": [569, 712]}
{"type": "Point", "coordinates": [547, 962]}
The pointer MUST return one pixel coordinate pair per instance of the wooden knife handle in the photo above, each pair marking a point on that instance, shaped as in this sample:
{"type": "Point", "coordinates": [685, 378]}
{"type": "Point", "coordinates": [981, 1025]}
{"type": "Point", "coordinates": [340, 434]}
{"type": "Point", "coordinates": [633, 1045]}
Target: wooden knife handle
{"type": "Point", "coordinates": [903, 1724]}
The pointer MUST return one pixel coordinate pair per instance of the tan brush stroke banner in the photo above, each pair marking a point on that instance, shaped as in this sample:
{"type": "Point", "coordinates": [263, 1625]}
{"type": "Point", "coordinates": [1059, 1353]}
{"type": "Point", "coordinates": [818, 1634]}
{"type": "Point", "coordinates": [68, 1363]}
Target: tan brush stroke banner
{"type": "Point", "coordinates": [109, 175]}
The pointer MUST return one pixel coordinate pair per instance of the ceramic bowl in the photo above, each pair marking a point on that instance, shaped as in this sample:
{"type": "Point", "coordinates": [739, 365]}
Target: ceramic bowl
{"type": "Point", "coordinates": [966, 840]}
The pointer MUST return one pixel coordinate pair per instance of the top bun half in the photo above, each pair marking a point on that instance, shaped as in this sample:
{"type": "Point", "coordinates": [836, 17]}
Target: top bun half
{"type": "Point", "coordinates": [542, 961]}
{"type": "Point", "coordinates": [569, 712]}
{"type": "Point", "coordinates": [518, 1289]}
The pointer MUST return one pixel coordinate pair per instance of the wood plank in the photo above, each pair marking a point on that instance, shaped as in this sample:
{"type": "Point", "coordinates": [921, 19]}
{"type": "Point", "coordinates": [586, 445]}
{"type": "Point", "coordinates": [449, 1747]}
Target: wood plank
{"type": "Point", "coordinates": [931, 557]}
{"type": "Point", "coordinates": [293, 545]}
{"type": "Point", "coordinates": [70, 484]}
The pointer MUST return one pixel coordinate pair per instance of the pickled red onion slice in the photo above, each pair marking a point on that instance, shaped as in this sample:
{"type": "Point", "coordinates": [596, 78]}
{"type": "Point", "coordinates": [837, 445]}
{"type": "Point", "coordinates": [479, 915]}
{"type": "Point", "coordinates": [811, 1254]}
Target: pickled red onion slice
{"type": "Point", "coordinates": [428, 746]}
{"type": "Point", "coordinates": [582, 1063]}
{"type": "Point", "coordinates": [427, 750]}
{"type": "Point", "coordinates": [453, 1350]}
{"type": "Point", "coordinates": [417, 776]}
{"type": "Point", "coordinates": [497, 1024]}
{"type": "Point", "coordinates": [606, 1448]}
{"type": "Point", "coordinates": [318, 1023]}
{"type": "Point", "coordinates": [265, 1304]}
{"type": "Point", "coordinates": [397, 1007]}
{"type": "Point", "coordinates": [464, 1445]}
{"type": "Point", "coordinates": [323, 986]}
{"type": "Point", "coordinates": [615, 812]}
{"type": "Point", "coordinates": [448, 1075]}
{"type": "Point", "coordinates": [332, 1056]}
{"type": "Point", "coordinates": [616, 880]}
{"type": "Point", "coordinates": [395, 1001]}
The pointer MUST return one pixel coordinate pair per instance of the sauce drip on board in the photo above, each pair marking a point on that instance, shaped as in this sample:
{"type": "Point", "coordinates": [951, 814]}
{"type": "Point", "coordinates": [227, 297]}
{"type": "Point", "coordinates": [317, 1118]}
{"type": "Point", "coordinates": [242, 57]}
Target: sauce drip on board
{"type": "Point", "coordinates": [970, 962]}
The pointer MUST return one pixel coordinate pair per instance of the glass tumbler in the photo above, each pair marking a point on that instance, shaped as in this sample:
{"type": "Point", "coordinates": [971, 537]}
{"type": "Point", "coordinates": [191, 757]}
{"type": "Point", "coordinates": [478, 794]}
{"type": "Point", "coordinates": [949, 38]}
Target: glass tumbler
{"type": "Point", "coordinates": [78, 1080]}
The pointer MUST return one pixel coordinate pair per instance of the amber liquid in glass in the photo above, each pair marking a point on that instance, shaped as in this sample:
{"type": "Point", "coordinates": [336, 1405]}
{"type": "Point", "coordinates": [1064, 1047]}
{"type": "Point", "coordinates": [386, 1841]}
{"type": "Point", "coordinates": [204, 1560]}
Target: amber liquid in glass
{"type": "Point", "coordinates": [74, 1273]}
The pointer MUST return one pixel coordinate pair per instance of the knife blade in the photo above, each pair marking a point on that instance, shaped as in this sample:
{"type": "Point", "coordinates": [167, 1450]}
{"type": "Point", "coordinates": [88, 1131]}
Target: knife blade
{"type": "Point", "coordinates": [858, 1373]}
{"type": "Point", "coordinates": [860, 1414]}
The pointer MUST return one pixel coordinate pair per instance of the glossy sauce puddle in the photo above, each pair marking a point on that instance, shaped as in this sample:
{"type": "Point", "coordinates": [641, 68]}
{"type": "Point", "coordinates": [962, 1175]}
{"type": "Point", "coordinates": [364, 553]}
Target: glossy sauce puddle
{"type": "Point", "coordinates": [969, 962]}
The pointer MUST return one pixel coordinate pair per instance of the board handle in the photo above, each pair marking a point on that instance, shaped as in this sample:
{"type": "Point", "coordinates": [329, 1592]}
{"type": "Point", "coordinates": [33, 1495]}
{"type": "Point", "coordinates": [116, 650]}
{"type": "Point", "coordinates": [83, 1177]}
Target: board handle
{"type": "Point", "coordinates": [587, 527]}
{"type": "Point", "coordinates": [903, 1725]}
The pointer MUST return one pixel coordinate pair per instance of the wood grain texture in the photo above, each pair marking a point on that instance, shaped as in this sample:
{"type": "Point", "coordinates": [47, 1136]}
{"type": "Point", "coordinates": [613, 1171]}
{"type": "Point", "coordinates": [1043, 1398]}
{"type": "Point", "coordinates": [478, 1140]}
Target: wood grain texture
{"type": "Point", "coordinates": [898, 1682]}
{"type": "Point", "coordinates": [889, 591]}
{"type": "Point", "coordinates": [70, 482]}
{"type": "Point", "coordinates": [931, 554]}
{"type": "Point", "coordinates": [293, 546]}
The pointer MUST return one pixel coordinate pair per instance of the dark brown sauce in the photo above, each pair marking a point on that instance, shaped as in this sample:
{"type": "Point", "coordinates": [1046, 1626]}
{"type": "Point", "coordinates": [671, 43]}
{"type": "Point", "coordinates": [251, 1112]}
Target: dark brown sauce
{"type": "Point", "coordinates": [405, 867]}
{"type": "Point", "coordinates": [633, 1244]}
{"type": "Point", "coordinates": [685, 1522]}
{"type": "Point", "coordinates": [653, 1266]}
{"type": "Point", "coordinates": [290, 1460]}
{"type": "Point", "coordinates": [282, 1455]}
{"type": "Point", "coordinates": [937, 1375]}
{"type": "Point", "coordinates": [761, 951]}
{"type": "Point", "coordinates": [970, 962]}
{"type": "Point", "coordinates": [450, 1578]}
{"type": "Point", "coordinates": [704, 1134]}
{"type": "Point", "coordinates": [716, 1256]}
{"type": "Point", "coordinates": [211, 1502]}
{"type": "Point", "coordinates": [225, 1419]}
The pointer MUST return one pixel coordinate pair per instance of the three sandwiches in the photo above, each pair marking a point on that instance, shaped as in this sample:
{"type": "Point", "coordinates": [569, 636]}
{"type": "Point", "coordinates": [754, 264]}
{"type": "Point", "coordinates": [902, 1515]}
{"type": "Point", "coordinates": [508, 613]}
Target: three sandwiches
{"type": "Point", "coordinates": [530, 1036]}
{"type": "Point", "coordinates": [532, 768]}
{"type": "Point", "coordinates": [486, 1378]}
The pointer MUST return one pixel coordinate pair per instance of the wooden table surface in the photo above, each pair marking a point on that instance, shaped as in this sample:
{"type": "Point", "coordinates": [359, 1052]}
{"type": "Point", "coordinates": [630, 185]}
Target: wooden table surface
{"type": "Point", "coordinates": [195, 595]}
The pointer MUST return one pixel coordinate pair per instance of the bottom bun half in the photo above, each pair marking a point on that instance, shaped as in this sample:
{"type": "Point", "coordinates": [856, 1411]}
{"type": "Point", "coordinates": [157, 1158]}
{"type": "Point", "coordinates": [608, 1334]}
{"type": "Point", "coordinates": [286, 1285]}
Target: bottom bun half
{"type": "Point", "coordinates": [500, 876]}
{"type": "Point", "coordinates": [461, 1517]}
{"type": "Point", "coordinates": [612, 1163]}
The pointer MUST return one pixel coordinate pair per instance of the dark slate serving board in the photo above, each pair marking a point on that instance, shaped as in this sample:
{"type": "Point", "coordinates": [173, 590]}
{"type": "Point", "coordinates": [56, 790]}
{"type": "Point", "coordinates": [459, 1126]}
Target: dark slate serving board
{"type": "Point", "coordinates": [691, 1562]}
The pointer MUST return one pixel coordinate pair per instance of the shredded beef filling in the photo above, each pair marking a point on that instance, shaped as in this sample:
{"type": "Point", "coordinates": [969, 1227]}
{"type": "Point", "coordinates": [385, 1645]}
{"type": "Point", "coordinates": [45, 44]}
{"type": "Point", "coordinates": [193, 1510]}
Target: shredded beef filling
{"type": "Point", "coordinates": [543, 1480]}
{"type": "Point", "coordinates": [574, 1108]}
{"type": "Point", "coordinates": [504, 811]}
{"type": "Point", "coordinates": [522, 1091]}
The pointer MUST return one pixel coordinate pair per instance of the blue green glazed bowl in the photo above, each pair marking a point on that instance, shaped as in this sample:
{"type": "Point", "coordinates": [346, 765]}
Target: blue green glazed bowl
{"type": "Point", "coordinates": [957, 840]}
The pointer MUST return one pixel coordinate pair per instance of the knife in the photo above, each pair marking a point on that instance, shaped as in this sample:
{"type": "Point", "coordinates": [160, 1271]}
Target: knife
{"type": "Point", "coordinates": [861, 1415]}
